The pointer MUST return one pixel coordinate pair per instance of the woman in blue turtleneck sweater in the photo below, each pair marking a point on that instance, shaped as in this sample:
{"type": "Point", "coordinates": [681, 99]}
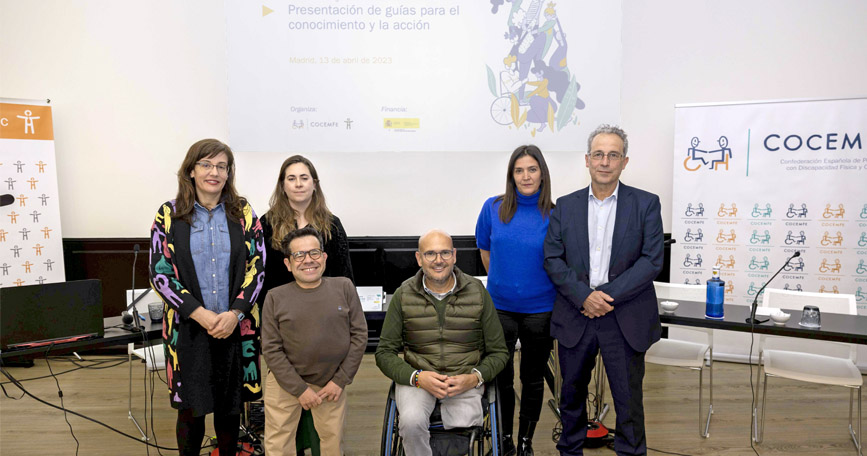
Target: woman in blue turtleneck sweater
{"type": "Point", "coordinates": [510, 233]}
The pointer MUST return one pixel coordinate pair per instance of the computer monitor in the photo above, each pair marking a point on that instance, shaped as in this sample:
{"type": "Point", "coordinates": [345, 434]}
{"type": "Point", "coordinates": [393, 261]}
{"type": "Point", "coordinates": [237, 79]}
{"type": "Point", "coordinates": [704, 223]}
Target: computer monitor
{"type": "Point", "coordinates": [58, 312]}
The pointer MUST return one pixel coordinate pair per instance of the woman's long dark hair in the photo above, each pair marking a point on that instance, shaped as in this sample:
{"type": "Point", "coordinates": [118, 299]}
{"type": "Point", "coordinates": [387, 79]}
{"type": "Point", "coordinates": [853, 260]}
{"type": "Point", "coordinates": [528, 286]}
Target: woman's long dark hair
{"type": "Point", "coordinates": [510, 199]}
{"type": "Point", "coordinates": [283, 218]}
{"type": "Point", "coordinates": [206, 148]}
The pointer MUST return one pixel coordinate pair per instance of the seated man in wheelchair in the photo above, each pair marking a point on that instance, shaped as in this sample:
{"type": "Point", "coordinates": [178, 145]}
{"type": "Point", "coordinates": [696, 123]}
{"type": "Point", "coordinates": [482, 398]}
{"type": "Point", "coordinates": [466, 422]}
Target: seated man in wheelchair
{"type": "Point", "coordinates": [445, 323]}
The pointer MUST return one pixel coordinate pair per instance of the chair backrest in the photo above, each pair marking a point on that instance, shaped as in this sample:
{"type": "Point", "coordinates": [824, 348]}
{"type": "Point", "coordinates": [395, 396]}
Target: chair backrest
{"type": "Point", "coordinates": [683, 292]}
{"type": "Point", "coordinates": [827, 303]}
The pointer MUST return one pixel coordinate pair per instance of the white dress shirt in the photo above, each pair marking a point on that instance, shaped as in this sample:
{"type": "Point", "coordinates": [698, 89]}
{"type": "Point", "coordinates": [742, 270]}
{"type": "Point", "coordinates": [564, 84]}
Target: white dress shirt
{"type": "Point", "coordinates": [600, 228]}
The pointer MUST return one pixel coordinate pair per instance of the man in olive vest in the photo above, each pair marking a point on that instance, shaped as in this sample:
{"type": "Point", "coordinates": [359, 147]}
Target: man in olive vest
{"type": "Point", "coordinates": [445, 323]}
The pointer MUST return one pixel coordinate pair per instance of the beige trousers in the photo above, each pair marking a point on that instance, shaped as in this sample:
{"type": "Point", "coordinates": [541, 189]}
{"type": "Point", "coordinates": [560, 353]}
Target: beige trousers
{"type": "Point", "coordinates": [283, 411]}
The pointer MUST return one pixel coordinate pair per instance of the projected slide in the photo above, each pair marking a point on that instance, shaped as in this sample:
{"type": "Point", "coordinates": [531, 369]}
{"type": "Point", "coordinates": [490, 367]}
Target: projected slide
{"type": "Point", "coordinates": [325, 75]}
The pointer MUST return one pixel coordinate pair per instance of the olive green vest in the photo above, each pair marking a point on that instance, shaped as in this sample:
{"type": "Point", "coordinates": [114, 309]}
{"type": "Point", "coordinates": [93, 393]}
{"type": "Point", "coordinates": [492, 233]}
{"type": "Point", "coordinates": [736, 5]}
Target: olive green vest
{"type": "Point", "coordinates": [450, 341]}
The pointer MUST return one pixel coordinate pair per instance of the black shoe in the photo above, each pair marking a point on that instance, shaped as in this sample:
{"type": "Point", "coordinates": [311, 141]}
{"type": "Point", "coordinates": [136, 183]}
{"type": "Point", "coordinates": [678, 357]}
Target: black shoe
{"type": "Point", "coordinates": [526, 429]}
{"type": "Point", "coordinates": [508, 446]}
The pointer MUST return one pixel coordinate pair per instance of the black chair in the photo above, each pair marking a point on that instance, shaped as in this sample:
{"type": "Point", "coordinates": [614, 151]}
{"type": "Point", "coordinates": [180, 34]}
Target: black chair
{"type": "Point", "coordinates": [449, 442]}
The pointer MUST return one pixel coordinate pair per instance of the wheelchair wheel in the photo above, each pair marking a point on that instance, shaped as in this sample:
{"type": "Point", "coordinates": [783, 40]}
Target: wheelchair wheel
{"type": "Point", "coordinates": [391, 444]}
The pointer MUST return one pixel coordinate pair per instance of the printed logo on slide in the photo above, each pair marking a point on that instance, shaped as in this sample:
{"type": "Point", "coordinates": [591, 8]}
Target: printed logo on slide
{"type": "Point", "coordinates": [695, 211]}
{"type": "Point", "coordinates": [533, 87]}
{"type": "Point", "coordinates": [837, 212]}
{"type": "Point", "coordinates": [730, 211]}
{"type": "Point", "coordinates": [761, 212]}
{"type": "Point", "coordinates": [713, 160]}
{"type": "Point", "coordinates": [799, 212]}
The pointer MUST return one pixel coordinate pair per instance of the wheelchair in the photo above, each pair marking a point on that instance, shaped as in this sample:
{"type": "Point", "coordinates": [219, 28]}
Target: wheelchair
{"type": "Point", "coordinates": [481, 440]}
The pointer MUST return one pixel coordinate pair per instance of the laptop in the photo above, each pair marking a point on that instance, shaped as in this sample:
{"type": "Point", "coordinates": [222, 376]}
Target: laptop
{"type": "Point", "coordinates": [39, 315]}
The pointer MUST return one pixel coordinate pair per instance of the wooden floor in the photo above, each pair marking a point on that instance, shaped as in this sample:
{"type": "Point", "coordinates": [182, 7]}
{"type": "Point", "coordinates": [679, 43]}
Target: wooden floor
{"type": "Point", "coordinates": [803, 418]}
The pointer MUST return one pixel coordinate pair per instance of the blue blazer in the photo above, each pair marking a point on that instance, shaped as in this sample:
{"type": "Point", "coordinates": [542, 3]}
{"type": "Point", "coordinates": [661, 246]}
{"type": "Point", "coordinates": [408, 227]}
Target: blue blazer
{"type": "Point", "coordinates": [636, 260]}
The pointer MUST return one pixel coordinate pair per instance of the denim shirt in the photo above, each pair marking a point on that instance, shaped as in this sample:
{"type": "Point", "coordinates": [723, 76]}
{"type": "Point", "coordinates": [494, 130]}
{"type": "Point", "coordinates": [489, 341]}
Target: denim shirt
{"type": "Point", "coordinates": [211, 246]}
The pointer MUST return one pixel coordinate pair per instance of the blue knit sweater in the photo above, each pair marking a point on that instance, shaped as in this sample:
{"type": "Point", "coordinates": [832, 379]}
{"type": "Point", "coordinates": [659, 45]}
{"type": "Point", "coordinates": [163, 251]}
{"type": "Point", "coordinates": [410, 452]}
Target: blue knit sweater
{"type": "Point", "coordinates": [517, 280]}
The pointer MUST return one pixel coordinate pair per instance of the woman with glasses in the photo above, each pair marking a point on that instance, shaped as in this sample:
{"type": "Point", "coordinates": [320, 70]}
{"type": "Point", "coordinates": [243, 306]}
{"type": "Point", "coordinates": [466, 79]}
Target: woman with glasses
{"type": "Point", "coordinates": [298, 201]}
{"type": "Point", "coordinates": [510, 233]}
{"type": "Point", "coordinates": [206, 263]}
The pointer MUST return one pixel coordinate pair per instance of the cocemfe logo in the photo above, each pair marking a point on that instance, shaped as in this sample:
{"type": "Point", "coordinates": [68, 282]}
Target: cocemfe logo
{"type": "Point", "coordinates": [697, 158]}
{"type": "Point", "coordinates": [795, 142]}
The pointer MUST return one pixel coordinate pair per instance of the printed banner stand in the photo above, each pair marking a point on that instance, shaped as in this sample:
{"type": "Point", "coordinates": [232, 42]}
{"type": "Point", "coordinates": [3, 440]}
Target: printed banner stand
{"type": "Point", "coordinates": [756, 181]}
{"type": "Point", "coordinates": [31, 243]}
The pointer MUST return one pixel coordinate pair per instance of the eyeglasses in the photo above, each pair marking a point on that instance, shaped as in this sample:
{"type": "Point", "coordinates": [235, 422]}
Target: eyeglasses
{"type": "Point", "coordinates": [222, 168]}
{"type": "Point", "coordinates": [612, 156]}
{"type": "Point", "coordinates": [315, 254]}
{"type": "Point", "coordinates": [431, 255]}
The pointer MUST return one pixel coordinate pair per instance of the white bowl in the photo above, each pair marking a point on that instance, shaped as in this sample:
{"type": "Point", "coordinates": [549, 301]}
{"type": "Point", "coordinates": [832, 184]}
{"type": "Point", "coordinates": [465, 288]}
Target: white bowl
{"type": "Point", "coordinates": [669, 306]}
{"type": "Point", "coordinates": [780, 317]}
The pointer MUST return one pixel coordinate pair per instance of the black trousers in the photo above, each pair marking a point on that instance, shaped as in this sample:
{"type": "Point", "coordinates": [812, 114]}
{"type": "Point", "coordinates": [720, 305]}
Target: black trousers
{"type": "Point", "coordinates": [536, 344]}
{"type": "Point", "coordinates": [191, 432]}
{"type": "Point", "coordinates": [624, 368]}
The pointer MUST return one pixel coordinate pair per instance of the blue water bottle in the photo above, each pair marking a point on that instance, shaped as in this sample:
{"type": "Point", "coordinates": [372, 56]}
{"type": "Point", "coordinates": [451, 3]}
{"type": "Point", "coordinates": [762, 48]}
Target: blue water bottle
{"type": "Point", "coordinates": [715, 296]}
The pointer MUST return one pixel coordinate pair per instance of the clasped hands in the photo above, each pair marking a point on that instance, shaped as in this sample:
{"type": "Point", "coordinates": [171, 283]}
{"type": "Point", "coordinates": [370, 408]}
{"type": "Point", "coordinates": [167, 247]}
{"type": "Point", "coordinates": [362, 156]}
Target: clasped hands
{"type": "Point", "coordinates": [311, 399]}
{"type": "Point", "coordinates": [219, 326]}
{"type": "Point", "coordinates": [440, 385]}
{"type": "Point", "coordinates": [597, 304]}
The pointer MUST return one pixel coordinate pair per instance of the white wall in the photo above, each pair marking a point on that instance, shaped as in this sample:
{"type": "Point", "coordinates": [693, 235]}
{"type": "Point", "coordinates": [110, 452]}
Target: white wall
{"type": "Point", "coordinates": [133, 84]}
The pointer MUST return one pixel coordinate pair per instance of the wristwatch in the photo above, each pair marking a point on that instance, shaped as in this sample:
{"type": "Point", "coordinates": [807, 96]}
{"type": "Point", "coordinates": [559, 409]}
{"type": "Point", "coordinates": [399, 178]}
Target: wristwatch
{"type": "Point", "coordinates": [481, 379]}
{"type": "Point", "coordinates": [238, 314]}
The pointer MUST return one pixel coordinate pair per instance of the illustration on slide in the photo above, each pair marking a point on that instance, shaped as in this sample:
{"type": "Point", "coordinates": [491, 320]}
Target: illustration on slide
{"type": "Point", "coordinates": [535, 88]}
{"type": "Point", "coordinates": [863, 240]}
{"type": "Point", "coordinates": [690, 237]}
{"type": "Point", "coordinates": [753, 289]}
{"type": "Point", "coordinates": [687, 282]}
{"type": "Point", "coordinates": [694, 212]}
{"type": "Point", "coordinates": [730, 286]}
{"type": "Point", "coordinates": [800, 212]}
{"type": "Point", "coordinates": [696, 158]}
{"type": "Point", "coordinates": [860, 295]}
{"type": "Point", "coordinates": [863, 214]}
{"type": "Point", "coordinates": [836, 213]}
{"type": "Point", "coordinates": [761, 212]}
{"type": "Point", "coordinates": [860, 269]}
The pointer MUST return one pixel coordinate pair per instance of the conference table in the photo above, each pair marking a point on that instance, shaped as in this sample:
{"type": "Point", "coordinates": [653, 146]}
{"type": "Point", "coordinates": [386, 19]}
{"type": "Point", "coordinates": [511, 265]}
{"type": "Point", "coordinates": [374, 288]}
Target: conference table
{"type": "Point", "coordinates": [114, 335]}
{"type": "Point", "coordinates": [835, 327]}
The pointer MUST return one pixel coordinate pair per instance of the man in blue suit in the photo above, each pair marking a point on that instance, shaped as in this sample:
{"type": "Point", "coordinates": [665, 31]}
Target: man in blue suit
{"type": "Point", "coordinates": [603, 250]}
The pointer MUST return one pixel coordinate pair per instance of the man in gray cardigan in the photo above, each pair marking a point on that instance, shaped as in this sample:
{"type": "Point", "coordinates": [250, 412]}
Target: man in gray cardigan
{"type": "Point", "coordinates": [313, 338]}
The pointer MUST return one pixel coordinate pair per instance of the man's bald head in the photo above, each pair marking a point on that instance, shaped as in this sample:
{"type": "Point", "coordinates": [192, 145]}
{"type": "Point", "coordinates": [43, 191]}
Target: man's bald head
{"type": "Point", "coordinates": [434, 236]}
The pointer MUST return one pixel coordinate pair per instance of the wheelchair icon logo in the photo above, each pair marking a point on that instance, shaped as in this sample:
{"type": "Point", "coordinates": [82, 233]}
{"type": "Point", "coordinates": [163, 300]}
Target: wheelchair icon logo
{"type": "Point", "coordinates": [797, 265]}
{"type": "Point", "coordinates": [799, 212]}
{"type": "Point", "coordinates": [760, 265]}
{"type": "Point", "coordinates": [753, 289]}
{"type": "Point", "coordinates": [863, 240]}
{"type": "Point", "coordinates": [860, 295]}
{"type": "Point", "coordinates": [863, 214]}
{"type": "Point", "coordinates": [834, 290]}
{"type": "Point", "coordinates": [760, 238]}
{"type": "Point", "coordinates": [727, 211]}
{"type": "Point", "coordinates": [761, 212]}
{"type": "Point", "coordinates": [696, 211]}
{"type": "Point", "coordinates": [696, 158]}
{"type": "Point", "coordinates": [692, 262]}
{"type": "Point", "coordinates": [835, 267]}
{"type": "Point", "coordinates": [687, 282]}
{"type": "Point", "coordinates": [832, 240]}
{"type": "Point", "coordinates": [835, 213]}
{"type": "Point", "coordinates": [690, 237]}
{"type": "Point", "coordinates": [727, 264]}
{"type": "Point", "coordinates": [861, 268]}
{"type": "Point", "coordinates": [799, 239]}
{"type": "Point", "coordinates": [796, 288]}
{"type": "Point", "coordinates": [730, 287]}
{"type": "Point", "coordinates": [727, 238]}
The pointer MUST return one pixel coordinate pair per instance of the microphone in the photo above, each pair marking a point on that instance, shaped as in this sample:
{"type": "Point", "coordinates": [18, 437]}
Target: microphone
{"type": "Point", "coordinates": [6, 200]}
{"type": "Point", "coordinates": [752, 320]}
{"type": "Point", "coordinates": [135, 315]}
